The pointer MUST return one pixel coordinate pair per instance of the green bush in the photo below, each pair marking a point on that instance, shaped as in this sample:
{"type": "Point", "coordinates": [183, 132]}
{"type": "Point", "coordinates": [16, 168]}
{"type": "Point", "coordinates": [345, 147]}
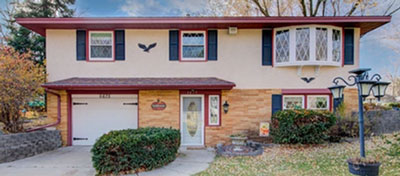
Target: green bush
{"type": "Point", "coordinates": [301, 126]}
{"type": "Point", "coordinates": [349, 127]}
{"type": "Point", "coordinates": [134, 150]}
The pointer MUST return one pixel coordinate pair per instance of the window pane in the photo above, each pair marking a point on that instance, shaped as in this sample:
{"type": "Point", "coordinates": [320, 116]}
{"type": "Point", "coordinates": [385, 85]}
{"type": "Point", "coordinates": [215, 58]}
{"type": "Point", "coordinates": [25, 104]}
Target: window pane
{"type": "Point", "coordinates": [282, 46]}
{"type": "Point", "coordinates": [193, 51]}
{"type": "Point", "coordinates": [101, 39]}
{"type": "Point", "coordinates": [316, 102]}
{"type": "Point", "coordinates": [321, 37]}
{"type": "Point", "coordinates": [292, 102]}
{"type": "Point", "coordinates": [302, 44]}
{"type": "Point", "coordinates": [214, 110]}
{"type": "Point", "coordinates": [101, 51]}
{"type": "Point", "coordinates": [193, 39]}
{"type": "Point", "coordinates": [336, 42]}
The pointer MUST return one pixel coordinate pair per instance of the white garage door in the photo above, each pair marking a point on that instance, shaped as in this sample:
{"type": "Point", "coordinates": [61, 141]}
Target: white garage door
{"type": "Point", "coordinates": [94, 115]}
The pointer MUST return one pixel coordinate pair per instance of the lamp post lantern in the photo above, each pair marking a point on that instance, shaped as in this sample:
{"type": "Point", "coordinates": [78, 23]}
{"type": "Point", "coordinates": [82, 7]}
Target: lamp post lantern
{"type": "Point", "coordinates": [364, 84]}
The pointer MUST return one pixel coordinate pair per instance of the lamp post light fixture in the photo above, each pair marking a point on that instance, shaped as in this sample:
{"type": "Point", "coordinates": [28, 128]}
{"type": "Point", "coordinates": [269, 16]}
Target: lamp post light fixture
{"type": "Point", "coordinates": [364, 84]}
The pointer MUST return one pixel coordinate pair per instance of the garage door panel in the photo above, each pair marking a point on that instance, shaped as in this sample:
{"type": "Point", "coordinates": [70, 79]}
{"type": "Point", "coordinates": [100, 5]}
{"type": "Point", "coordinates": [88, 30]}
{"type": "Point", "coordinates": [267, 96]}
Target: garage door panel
{"type": "Point", "coordinates": [100, 116]}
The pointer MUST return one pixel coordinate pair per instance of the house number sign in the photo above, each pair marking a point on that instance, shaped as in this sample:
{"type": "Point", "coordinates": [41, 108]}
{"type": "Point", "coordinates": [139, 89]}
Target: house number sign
{"type": "Point", "coordinates": [158, 105]}
{"type": "Point", "coordinates": [104, 96]}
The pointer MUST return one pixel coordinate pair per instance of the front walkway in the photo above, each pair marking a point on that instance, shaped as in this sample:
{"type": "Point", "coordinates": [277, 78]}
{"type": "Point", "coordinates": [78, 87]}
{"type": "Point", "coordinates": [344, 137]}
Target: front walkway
{"type": "Point", "coordinates": [76, 161]}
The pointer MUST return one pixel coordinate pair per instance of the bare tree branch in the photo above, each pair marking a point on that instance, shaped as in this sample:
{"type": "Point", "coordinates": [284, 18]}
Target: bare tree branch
{"type": "Point", "coordinates": [264, 11]}
{"type": "Point", "coordinates": [303, 7]}
{"type": "Point", "coordinates": [323, 8]}
{"type": "Point", "coordinates": [311, 7]}
{"type": "Point", "coordinates": [317, 7]}
{"type": "Point", "coordinates": [353, 8]}
{"type": "Point", "coordinates": [278, 7]}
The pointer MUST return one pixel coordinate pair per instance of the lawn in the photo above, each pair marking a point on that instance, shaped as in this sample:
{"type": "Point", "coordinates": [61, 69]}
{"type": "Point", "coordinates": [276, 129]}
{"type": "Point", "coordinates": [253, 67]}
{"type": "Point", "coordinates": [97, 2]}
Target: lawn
{"type": "Point", "coordinates": [324, 159]}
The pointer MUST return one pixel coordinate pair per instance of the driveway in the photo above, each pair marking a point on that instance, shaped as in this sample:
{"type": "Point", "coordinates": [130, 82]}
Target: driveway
{"type": "Point", "coordinates": [76, 161]}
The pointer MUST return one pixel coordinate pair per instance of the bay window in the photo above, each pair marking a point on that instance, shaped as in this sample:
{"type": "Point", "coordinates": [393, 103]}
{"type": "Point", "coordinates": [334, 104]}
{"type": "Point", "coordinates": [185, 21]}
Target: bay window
{"type": "Point", "coordinates": [314, 102]}
{"type": "Point", "coordinates": [312, 45]}
{"type": "Point", "coordinates": [318, 102]}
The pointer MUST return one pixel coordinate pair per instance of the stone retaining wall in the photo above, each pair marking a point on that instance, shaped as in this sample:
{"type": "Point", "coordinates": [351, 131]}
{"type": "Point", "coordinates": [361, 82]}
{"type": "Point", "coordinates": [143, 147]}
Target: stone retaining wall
{"type": "Point", "coordinates": [22, 145]}
{"type": "Point", "coordinates": [384, 121]}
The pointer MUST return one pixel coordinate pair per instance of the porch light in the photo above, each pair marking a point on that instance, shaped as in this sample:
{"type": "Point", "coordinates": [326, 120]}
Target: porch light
{"type": "Point", "coordinates": [337, 91]}
{"type": "Point", "coordinates": [365, 87]}
{"type": "Point", "coordinates": [379, 89]}
{"type": "Point", "coordinates": [226, 107]}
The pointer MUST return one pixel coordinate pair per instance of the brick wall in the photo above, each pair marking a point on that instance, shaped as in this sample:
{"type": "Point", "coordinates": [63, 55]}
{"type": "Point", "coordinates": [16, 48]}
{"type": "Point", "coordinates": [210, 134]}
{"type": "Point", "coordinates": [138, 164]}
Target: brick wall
{"type": "Point", "coordinates": [169, 117]}
{"type": "Point", "coordinates": [52, 113]}
{"type": "Point", "coordinates": [22, 145]}
{"type": "Point", "coordinates": [248, 107]}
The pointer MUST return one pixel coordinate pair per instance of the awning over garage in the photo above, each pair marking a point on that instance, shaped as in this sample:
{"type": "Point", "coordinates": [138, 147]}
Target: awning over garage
{"type": "Point", "coordinates": [208, 83]}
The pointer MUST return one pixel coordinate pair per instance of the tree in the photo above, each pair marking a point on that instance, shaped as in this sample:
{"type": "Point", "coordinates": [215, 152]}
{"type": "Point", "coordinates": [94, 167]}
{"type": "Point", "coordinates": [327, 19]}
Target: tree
{"type": "Point", "coordinates": [20, 80]}
{"type": "Point", "coordinates": [303, 7]}
{"type": "Point", "coordinates": [24, 40]}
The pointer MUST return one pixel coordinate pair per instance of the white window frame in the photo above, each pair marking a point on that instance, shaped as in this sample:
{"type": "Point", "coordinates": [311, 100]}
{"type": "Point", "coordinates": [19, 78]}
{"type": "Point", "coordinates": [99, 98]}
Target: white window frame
{"type": "Point", "coordinates": [325, 96]}
{"type": "Point", "coordinates": [193, 58]}
{"type": "Point", "coordinates": [312, 61]}
{"type": "Point", "coordinates": [112, 47]}
{"type": "Point", "coordinates": [302, 103]}
{"type": "Point", "coordinates": [218, 110]}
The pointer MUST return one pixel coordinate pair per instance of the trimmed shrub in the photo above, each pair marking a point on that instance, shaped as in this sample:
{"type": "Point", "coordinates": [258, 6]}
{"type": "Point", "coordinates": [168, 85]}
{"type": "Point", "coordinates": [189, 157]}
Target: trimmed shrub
{"type": "Point", "coordinates": [134, 150]}
{"type": "Point", "coordinates": [301, 126]}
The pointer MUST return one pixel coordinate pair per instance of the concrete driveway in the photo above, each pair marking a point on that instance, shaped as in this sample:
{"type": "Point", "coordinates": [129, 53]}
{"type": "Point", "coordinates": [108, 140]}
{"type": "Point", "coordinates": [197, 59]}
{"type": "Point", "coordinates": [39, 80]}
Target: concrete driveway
{"type": "Point", "coordinates": [76, 161]}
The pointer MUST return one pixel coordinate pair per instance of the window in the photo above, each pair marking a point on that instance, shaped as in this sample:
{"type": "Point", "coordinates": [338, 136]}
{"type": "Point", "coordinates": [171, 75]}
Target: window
{"type": "Point", "coordinates": [318, 102]}
{"type": "Point", "coordinates": [214, 109]}
{"type": "Point", "coordinates": [293, 102]}
{"type": "Point", "coordinates": [101, 45]}
{"type": "Point", "coordinates": [282, 46]}
{"type": "Point", "coordinates": [308, 45]}
{"type": "Point", "coordinates": [193, 46]}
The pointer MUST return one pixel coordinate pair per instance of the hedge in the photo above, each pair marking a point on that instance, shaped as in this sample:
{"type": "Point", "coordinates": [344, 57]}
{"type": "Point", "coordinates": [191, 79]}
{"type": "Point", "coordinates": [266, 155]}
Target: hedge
{"type": "Point", "coordinates": [134, 150]}
{"type": "Point", "coordinates": [301, 126]}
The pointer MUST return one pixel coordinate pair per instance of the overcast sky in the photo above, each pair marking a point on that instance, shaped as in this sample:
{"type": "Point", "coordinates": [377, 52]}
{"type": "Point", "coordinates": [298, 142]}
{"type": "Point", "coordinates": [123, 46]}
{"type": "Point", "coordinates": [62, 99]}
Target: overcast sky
{"type": "Point", "coordinates": [374, 52]}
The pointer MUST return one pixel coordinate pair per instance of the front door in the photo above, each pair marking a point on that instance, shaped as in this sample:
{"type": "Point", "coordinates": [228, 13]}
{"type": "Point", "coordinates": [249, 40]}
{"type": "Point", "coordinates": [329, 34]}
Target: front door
{"type": "Point", "coordinates": [192, 120]}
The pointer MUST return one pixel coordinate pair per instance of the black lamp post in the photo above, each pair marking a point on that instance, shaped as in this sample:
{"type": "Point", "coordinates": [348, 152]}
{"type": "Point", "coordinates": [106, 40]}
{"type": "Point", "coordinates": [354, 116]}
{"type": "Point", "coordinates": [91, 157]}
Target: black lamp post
{"type": "Point", "coordinates": [364, 84]}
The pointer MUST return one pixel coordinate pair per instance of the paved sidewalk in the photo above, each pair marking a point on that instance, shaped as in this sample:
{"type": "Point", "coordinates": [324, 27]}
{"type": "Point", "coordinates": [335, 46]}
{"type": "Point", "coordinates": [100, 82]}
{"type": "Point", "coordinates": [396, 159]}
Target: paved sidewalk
{"type": "Point", "coordinates": [76, 161]}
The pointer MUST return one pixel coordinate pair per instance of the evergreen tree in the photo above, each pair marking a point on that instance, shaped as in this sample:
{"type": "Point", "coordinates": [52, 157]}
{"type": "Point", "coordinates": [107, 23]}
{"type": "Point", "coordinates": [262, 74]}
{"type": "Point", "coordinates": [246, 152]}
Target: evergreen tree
{"type": "Point", "coordinates": [23, 39]}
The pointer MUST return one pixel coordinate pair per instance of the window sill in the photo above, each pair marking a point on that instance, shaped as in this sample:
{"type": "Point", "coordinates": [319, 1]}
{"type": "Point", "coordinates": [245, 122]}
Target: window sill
{"type": "Point", "coordinates": [314, 63]}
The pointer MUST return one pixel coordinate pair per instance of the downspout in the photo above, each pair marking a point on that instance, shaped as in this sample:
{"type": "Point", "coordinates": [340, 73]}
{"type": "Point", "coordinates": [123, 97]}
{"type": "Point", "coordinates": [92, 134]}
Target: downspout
{"type": "Point", "coordinates": [58, 113]}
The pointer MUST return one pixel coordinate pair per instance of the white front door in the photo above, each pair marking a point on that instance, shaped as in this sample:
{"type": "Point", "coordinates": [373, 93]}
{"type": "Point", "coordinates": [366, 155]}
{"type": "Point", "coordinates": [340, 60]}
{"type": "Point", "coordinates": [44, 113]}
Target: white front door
{"type": "Point", "coordinates": [192, 120]}
{"type": "Point", "coordinates": [96, 114]}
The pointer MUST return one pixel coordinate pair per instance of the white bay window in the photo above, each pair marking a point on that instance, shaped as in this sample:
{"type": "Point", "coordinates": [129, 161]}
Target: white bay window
{"type": "Point", "coordinates": [315, 45]}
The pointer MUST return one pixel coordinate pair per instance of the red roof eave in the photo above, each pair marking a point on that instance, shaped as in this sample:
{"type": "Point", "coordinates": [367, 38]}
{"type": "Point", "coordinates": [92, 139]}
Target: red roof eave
{"type": "Point", "coordinates": [138, 87]}
{"type": "Point", "coordinates": [39, 25]}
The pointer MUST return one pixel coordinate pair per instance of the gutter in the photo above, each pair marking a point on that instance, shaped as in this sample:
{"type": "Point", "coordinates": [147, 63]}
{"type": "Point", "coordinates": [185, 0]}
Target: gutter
{"type": "Point", "coordinates": [58, 113]}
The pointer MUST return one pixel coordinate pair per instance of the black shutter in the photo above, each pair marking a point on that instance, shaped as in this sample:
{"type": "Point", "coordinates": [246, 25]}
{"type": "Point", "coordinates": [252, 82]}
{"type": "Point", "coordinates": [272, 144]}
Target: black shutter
{"type": "Point", "coordinates": [173, 45]}
{"type": "Point", "coordinates": [119, 45]}
{"type": "Point", "coordinates": [276, 103]}
{"type": "Point", "coordinates": [336, 103]}
{"type": "Point", "coordinates": [212, 48]}
{"type": "Point", "coordinates": [80, 45]}
{"type": "Point", "coordinates": [349, 47]}
{"type": "Point", "coordinates": [267, 47]}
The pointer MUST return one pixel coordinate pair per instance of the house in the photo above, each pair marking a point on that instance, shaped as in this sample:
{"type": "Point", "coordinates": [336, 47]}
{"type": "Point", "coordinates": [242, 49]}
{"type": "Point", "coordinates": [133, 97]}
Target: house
{"type": "Point", "coordinates": [208, 76]}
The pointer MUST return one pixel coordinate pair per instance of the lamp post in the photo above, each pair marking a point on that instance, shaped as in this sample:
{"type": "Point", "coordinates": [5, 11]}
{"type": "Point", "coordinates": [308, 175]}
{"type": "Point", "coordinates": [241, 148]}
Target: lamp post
{"type": "Point", "coordinates": [364, 84]}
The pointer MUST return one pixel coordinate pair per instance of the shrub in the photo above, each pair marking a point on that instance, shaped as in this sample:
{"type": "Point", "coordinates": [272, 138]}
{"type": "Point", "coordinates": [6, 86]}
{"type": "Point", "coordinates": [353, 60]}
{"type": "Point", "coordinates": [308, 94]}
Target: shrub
{"type": "Point", "coordinates": [134, 150]}
{"type": "Point", "coordinates": [348, 127]}
{"type": "Point", "coordinates": [301, 126]}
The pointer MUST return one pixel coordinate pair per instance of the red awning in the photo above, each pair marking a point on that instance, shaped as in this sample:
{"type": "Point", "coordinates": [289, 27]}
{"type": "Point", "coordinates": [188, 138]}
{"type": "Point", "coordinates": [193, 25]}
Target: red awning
{"type": "Point", "coordinates": [305, 91]}
{"type": "Point", "coordinates": [39, 25]}
{"type": "Point", "coordinates": [139, 84]}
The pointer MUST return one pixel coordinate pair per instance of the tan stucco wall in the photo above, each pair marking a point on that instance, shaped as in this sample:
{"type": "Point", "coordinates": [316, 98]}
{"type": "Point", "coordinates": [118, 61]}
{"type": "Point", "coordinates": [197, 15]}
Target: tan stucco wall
{"type": "Point", "coordinates": [239, 61]}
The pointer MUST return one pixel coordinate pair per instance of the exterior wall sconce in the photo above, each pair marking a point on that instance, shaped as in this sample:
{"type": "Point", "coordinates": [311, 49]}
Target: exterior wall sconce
{"type": "Point", "coordinates": [226, 107]}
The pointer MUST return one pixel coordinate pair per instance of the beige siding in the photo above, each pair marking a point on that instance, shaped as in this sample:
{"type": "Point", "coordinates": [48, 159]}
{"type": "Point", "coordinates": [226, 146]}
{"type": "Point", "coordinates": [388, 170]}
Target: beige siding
{"type": "Point", "coordinates": [239, 61]}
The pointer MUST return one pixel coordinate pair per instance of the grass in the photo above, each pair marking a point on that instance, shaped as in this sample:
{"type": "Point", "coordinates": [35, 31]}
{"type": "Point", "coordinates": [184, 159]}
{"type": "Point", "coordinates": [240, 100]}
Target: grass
{"type": "Point", "coordinates": [324, 159]}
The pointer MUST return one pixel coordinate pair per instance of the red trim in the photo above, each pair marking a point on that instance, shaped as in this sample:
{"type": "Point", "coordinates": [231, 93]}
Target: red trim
{"type": "Point", "coordinates": [88, 45]}
{"type": "Point", "coordinates": [139, 87]}
{"type": "Point", "coordinates": [69, 107]}
{"type": "Point", "coordinates": [205, 45]}
{"type": "Point", "coordinates": [39, 25]}
{"type": "Point", "coordinates": [69, 122]}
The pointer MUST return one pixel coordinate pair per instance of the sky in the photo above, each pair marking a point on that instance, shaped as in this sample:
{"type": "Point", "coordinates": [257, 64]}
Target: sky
{"type": "Point", "coordinates": [374, 52]}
